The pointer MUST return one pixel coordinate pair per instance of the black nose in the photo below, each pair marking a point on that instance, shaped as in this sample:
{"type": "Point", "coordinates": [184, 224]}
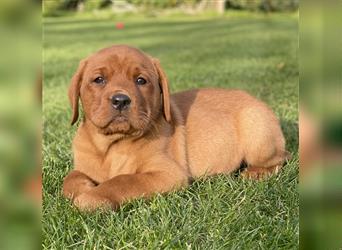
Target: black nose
{"type": "Point", "coordinates": [120, 101]}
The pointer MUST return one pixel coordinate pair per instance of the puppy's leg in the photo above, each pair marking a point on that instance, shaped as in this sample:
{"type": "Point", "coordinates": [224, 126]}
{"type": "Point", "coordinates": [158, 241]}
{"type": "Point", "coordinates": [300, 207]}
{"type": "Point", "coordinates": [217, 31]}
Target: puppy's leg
{"type": "Point", "coordinates": [76, 183]}
{"type": "Point", "coordinates": [121, 188]}
{"type": "Point", "coordinates": [263, 143]}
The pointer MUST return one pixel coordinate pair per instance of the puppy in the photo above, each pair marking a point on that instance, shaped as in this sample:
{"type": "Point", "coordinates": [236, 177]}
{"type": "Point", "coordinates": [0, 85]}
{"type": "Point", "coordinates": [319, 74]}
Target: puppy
{"type": "Point", "coordinates": [136, 139]}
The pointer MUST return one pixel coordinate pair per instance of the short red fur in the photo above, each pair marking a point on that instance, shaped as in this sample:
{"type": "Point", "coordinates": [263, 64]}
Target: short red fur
{"type": "Point", "coordinates": [160, 141]}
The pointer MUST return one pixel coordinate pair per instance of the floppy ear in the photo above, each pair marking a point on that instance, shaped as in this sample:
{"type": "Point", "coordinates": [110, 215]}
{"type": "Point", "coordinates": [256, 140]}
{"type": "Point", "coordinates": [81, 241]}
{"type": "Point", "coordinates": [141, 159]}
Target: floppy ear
{"type": "Point", "coordinates": [163, 83]}
{"type": "Point", "coordinates": [74, 91]}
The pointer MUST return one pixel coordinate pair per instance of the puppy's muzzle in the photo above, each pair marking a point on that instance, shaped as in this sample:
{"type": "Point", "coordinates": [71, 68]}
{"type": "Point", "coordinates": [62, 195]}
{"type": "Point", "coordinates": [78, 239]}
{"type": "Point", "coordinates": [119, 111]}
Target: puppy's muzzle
{"type": "Point", "coordinates": [120, 102]}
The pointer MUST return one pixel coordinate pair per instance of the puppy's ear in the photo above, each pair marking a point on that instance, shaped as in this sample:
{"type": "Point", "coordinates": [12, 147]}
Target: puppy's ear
{"type": "Point", "coordinates": [164, 85]}
{"type": "Point", "coordinates": [74, 91]}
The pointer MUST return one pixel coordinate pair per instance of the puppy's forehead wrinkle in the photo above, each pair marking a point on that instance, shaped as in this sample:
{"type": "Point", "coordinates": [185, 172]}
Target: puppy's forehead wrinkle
{"type": "Point", "coordinates": [103, 70]}
{"type": "Point", "coordinates": [112, 65]}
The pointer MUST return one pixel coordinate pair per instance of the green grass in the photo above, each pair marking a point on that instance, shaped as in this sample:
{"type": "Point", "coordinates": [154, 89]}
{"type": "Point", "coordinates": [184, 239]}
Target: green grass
{"type": "Point", "coordinates": [251, 52]}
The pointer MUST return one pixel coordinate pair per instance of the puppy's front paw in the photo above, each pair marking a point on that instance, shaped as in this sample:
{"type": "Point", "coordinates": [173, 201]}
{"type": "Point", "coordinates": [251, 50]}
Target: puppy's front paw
{"type": "Point", "coordinates": [78, 188]}
{"type": "Point", "coordinates": [76, 183]}
{"type": "Point", "coordinates": [90, 202]}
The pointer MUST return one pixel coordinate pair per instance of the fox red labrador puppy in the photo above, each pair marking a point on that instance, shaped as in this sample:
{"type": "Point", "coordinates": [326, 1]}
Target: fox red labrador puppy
{"type": "Point", "coordinates": [135, 139]}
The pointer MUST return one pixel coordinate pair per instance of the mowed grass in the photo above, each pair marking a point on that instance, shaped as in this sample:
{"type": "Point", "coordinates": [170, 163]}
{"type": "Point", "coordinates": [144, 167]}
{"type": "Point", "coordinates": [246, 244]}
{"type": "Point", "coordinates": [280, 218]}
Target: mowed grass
{"type": "Point", "coordinates": [250, 52]}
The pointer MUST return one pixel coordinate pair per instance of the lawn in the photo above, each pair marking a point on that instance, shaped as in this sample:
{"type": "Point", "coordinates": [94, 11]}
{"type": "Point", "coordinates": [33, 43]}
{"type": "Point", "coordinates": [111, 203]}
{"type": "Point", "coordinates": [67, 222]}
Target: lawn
{"type": "Point", "coordinates": [252, 52]}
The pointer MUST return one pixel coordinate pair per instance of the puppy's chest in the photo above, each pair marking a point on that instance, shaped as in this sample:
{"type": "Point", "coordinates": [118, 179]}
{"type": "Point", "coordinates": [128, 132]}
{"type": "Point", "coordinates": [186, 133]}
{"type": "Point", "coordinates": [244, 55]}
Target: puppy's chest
{"type": "Point", "coordinates": [118, 162]}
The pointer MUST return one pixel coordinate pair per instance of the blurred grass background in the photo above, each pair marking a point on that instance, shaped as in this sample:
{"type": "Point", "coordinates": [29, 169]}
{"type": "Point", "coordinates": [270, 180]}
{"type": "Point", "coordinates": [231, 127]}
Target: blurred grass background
{"type": "Point", "coordinates": [250, 51]}
{"type": "Point", "coordinates": [321, 125]}
{"type": "Point", "coordinates": [20, 165]}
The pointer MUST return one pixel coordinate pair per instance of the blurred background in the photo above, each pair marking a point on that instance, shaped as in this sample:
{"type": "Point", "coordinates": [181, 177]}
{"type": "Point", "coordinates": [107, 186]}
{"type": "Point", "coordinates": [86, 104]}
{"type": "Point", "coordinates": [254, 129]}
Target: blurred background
{"type": "Point", "coordinates": [320, 125]}
{"type": "Point", "coordinates": [20, 104]}
{"type": "Point", "coordinates": [60, 7]}
{"type": "Point", "coordinates": [20, 95]}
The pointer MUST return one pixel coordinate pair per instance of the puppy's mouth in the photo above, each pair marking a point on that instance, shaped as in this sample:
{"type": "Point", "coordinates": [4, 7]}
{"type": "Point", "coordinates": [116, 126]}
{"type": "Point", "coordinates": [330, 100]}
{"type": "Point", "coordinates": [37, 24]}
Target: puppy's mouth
{"type": "Point", "coordinates": [119, 118]}
{"type": "Point", "coordinates": [116, 120]}
{"type": "Point", "coordinates": [118, 124]}
{"type": "Point", "coordinates": [123, 123]}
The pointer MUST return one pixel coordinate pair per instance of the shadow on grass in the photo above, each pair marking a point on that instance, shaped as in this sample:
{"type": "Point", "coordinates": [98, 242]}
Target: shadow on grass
{"type": "Point", "coordinates": [290, 130]}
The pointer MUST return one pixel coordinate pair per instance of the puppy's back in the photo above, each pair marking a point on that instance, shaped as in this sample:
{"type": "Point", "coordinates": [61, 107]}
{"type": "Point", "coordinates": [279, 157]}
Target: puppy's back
{"type": "Point", "coordinates": [225, 127]}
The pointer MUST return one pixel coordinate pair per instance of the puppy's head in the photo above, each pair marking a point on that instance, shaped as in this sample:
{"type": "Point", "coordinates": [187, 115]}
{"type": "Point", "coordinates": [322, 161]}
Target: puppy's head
{"type": "Point", "coordinates": [122, 90]}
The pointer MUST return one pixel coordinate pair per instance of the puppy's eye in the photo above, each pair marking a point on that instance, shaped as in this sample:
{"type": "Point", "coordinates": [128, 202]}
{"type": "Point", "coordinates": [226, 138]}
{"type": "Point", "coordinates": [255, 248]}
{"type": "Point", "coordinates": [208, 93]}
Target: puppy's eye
{"type": "Point", "coordinates": [99, 80]}
{"type": "Point", "coordinates": [140, 81]}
